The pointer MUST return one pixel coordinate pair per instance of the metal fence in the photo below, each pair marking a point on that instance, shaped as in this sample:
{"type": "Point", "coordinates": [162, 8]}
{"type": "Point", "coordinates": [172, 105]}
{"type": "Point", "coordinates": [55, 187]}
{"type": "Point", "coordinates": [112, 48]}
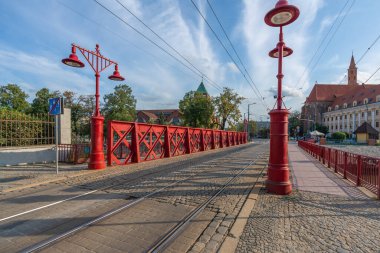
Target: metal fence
{"type": "Point", "coordinates": [74, 153]}
{"type": "Point", "coordinates": [130, 142]}
{"type": "Point", "coordinates": [20, 129]}
{"type": "Point", "coordinates": [359, 169]}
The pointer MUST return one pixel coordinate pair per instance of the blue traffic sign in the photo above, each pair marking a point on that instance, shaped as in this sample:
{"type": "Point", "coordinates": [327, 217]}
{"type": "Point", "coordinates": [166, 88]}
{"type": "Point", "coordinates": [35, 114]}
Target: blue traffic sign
{"type": "Point", "coordinates": [55, 106]}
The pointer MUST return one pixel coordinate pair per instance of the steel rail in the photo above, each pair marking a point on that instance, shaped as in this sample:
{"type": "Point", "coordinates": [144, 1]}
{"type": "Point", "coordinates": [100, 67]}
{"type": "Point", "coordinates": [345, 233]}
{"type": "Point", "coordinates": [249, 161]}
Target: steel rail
{"type": "Point", "coordinates": [54, 239]}
{"type": "Point", "coordinates": [98, 190]}
{"type": "Point", "coordinates": [170, 236]}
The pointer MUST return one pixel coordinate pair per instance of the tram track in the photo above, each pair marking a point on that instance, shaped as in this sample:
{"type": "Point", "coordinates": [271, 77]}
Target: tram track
{"type": "Point", "coordinates": [160, 244]}
{"type": "Point", "coordinates": [171, 168]}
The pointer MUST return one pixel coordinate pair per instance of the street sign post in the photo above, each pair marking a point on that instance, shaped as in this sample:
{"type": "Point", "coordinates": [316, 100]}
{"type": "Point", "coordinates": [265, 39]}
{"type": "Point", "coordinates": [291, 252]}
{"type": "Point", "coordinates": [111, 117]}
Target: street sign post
{"type": "Point", "coordinates": [56, 108]}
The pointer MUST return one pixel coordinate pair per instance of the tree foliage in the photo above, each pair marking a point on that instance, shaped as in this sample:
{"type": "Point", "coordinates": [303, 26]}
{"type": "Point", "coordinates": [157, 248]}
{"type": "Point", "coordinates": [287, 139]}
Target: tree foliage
{"type": "Point", "coordinates": [294, 122]}
{"type": "Point", "coordinates": [321, 128]}
{"type": "Point", "coordinates": [196, 110]}
{"type": "Point", "coordinates": [120, 105]}
{"type": "Point", "coordinates": [339, 136]}
{"type": "Point", "coordinates": [12, 97]}
{"type": "Point", "coordinates": [227, 107]}
{"type": "Point", "coordinates": [22, 129]}
{"type": "Point", "coordinates": [40, 103]}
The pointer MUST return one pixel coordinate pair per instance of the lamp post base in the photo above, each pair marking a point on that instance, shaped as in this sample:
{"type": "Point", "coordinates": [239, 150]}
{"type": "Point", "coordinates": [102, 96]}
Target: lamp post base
{"type": "Point", "coordinates": [97, 161]}
{"type": "Point", "coordinates": [278, 168]}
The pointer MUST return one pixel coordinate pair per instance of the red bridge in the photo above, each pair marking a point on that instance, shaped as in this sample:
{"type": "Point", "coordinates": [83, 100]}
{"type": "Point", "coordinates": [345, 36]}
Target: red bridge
{"type": "Point", "coordinates": [130, 142]}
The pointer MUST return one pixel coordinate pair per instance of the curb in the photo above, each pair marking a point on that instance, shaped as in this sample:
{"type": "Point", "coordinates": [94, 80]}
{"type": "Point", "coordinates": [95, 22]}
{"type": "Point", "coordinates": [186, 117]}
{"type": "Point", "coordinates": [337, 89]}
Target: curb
{"type": "Point", "coordinates": [22, 187]}
{"type": "Point", "coordinates": [230, 243]}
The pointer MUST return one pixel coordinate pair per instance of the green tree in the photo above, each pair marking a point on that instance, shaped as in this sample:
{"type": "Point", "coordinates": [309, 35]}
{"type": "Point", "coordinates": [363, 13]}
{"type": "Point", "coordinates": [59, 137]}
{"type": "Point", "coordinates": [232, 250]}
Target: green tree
{"type": "Point", "coordinates": [339, 136]}
{"type": "Point", "coordinates": [120, 105]}
{"type": "Point", "coordinates": [82, 109]}
{"type": "Point", "coordinates": [294, 122]}
{"type": "Point", "coordinates": [196, 109]}
{"type": "Point", "coordinates": [321, 128]}
{"type": "Point", "coordinates": [40, 103]}
{"type": "Point", "coordinates": [12, 97]}
{"type": "Point", "coordinates": [227, 107]}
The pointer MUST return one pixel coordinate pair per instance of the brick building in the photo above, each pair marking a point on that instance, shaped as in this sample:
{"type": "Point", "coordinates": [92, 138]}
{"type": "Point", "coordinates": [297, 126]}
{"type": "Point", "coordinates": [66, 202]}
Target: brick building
{"type": "Point", "coordinates": [344, 107]}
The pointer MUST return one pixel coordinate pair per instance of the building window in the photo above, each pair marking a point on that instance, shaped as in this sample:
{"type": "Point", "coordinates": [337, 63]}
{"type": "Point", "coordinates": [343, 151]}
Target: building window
{"type": "Point", "coordinates": [377, 112]}
{"type": "Point", "coordinates": [365, 101]}
{"type": "Point", "coordinates": [378, 98]}
{"type": "Point", "coordinates": [345, 116]}
{"type": "Point", "coordinates": [345, 105]}
{"type": "Point", "coordinates": [354, 103]}
{"type": "Point", "coordinates": [329, 109]}
{"type": "Point", "coordinates": [377, 124]}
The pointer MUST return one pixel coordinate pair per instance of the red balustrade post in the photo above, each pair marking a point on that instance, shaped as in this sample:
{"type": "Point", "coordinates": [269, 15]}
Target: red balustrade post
{"type": "Point", "coordinates": [336, 161]}
{"type": "Point", "coordinates": [202, 144]}
{"type": "Point", "coordinates": [135, 143]}
{"type": "Point", "coordinates": [167, 142]}
{"type": "Point", "coordinates": [213, 139]}
{"type": "Point", "coordinates": [329, 160]}
{"type": "Point", "coordinates": [323, 155]}
{"type": "Point", "coordinates": [378, 179]}
{"type": "Point", "coordinates": [228, 139]}
{"type": "Point", "coordinates": [109, 143]}
{"type": "Point", "coordinates": [345, 166]}
{"type": "Point", "coordinates": [187, 141]}
{"type": "Point", "coordinates": [220, 139]}
{"type": "Point", "coordinates": [359, 174]}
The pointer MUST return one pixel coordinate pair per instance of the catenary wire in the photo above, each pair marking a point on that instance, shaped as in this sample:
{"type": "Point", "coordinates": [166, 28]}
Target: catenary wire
{"type": "Point", "coordinates": [165, 42]}
{"type": "Point", "coordinates": [150, 40]}
{"type": "Point", "coordinates": [331, 38]}
{"type": "Point", "coordinates": [232, 46]}
{"type": "Point", "coordinates": [228, 53]}
{"type": "Point", "coordinates": [320, 45]}
{"type": "Point", "coordinates": [123, 38]}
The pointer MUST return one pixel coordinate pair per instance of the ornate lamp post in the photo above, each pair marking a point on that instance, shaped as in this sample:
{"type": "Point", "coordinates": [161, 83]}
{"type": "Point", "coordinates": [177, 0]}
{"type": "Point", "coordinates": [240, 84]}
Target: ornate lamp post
{"type": "Point", "coordinates": [98, 63]}
{"type": "Point", "coordinates": [278, 170]}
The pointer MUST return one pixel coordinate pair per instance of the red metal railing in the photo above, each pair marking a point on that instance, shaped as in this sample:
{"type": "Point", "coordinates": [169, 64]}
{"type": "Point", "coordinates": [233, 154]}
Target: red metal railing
{"type": "Point", "coordinates": [359, 169]}
{"type": "Point", "coordinates": [130, 142]}
{"type": "Point", "coordinates": [73, 153]}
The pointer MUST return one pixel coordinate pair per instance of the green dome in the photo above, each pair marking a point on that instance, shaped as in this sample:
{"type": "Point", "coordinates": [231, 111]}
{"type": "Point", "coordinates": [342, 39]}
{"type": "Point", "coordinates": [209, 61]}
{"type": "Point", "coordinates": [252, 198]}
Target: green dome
{"type": "Point", "coordinates": [202, 88]}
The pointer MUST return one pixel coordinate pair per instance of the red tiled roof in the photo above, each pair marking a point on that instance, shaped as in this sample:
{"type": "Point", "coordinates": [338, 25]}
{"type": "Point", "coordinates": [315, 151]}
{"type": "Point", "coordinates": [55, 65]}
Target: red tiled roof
{"type": "Point", "coordinates": [358, 94]}
{"type": "Point", "coordinates": [148, 114]}
{"type": "Point", "coordinates": [327, 92]}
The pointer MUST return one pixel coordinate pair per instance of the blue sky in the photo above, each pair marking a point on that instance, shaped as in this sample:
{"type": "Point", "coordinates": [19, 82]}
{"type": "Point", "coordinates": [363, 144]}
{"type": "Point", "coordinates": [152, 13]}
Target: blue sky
{"type": "Point", "coordinates": [36, 35]}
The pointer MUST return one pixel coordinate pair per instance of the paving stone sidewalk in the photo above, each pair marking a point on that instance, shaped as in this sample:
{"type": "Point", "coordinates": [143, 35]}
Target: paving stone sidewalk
{"type": "Point", "coordinates": [323, 214]}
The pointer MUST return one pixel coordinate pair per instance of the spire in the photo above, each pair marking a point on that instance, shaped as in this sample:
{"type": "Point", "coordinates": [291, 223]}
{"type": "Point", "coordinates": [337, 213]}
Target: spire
{"type": "Point", "coordinates": [352, 72]}
{"type": "Point", "coordinates": [202, 88]}
{"type": "Point", "coordinates": [352, 63]}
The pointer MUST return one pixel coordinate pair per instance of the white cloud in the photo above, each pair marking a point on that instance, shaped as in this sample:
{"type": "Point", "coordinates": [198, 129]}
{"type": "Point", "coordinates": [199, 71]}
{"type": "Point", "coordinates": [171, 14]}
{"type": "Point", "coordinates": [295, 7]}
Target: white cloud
{"type": "Point", "coordinates": [259, 37]}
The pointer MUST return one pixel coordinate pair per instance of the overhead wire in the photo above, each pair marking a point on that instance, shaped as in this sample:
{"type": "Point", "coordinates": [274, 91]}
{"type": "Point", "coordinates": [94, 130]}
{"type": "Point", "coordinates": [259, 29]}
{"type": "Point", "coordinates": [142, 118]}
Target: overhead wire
{"type": "Point", "coordinates": [228, 53]}
{"type": "Point", "coordinates": [121, 37]}
{"type": "Point", "coordinates": [330, 40]}
{"type": "Point", "coordinates": [150, 40]}
{"type": "Point", "coordinates": [232, 46]}
{"type": "Point", "coordinates": [320, 45]}
{"type": "Point", "coordinates": [165, 42]}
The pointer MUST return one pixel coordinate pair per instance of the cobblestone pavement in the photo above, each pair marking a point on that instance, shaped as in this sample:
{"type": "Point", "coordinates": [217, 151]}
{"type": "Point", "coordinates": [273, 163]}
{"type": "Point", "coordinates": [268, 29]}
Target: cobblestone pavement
{"type": "Point", "coordinates": [373, 151]}
{"type": "Point", "coordinates": [135, 229]}
{"type": "Point", "coordinates": [312, 222]}
{"type": "Point", "coordinates": [20, 179]}
{"type": "Point", "coordinates": [323, 214]}
{"type": "Point", "coordinates": [35, 227]}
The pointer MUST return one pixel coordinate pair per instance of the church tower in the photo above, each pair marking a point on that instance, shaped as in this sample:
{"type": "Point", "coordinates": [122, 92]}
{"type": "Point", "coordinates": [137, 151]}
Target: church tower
{"type": "Point", "coordinates": [352, 72]}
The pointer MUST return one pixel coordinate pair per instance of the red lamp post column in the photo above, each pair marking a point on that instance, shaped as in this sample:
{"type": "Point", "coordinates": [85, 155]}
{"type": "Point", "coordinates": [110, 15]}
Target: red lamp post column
{"type": "Point", "coordinates": [98, 63]}
{"type": "Point", "coordinates": [278, 169]}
